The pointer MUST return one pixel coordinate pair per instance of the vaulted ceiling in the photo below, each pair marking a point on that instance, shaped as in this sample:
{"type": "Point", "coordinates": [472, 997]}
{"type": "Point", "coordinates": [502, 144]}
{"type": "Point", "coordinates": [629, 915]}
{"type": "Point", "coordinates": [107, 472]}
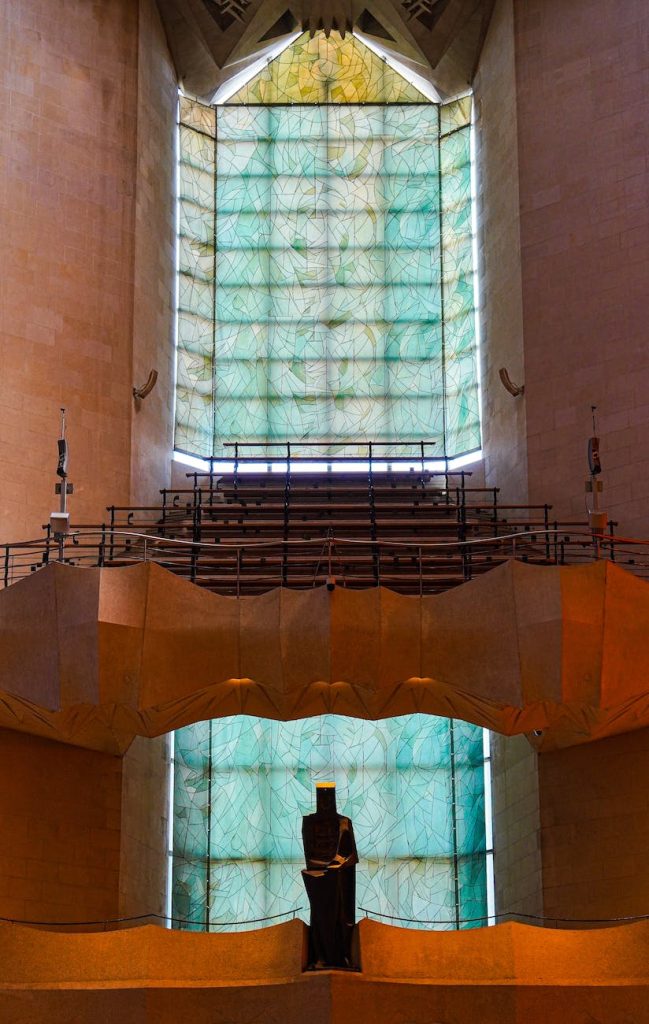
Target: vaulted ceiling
{"type": "Point", "coordinates": [213, 40]}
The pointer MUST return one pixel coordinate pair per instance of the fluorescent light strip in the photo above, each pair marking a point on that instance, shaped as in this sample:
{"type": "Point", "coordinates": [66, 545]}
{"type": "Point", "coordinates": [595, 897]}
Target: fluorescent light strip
{"type": "Point", "coordinates": [319, 465]}
{"type": "Point", "coordinates": [170, 830]}
{"type": "Point", "coordinates": [489, 839]}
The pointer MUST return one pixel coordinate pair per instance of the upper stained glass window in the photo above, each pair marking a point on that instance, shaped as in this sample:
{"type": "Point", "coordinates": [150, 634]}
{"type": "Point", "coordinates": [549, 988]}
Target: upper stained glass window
{"type": "Point", "coordinates": [325, 261]}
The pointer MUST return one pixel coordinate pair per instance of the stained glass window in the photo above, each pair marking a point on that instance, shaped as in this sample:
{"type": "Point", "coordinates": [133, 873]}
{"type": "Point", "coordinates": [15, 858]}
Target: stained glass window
{"type": "Point", "coordinates": [413, 787]}
{"type": "Point", "coordinates": [325, 260]}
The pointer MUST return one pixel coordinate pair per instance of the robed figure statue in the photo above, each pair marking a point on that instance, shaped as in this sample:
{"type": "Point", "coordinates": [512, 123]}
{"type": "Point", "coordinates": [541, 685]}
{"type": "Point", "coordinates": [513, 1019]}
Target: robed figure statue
{"type": "Point", "coordinates": [330, 880]}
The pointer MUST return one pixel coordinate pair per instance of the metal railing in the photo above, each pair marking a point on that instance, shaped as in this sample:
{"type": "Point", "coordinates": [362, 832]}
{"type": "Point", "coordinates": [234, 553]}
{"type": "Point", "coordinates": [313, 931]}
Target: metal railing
{"type": "Point", "coordinates": [241, 566]}
{"type": "Point", "coordinates": [540, 920]}
{"type": "Point", "coordinates": [115, 923]}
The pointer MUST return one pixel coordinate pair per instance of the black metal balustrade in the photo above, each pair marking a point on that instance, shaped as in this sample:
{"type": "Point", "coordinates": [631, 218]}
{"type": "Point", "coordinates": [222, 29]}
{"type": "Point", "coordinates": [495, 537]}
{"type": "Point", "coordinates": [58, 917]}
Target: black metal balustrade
{"type": "Point", "coordinates": [253, 528]}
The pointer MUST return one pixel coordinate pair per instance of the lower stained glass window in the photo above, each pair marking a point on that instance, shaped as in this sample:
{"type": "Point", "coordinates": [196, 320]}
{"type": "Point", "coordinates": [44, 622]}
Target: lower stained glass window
{"type": "Point", "coordinates": [413, 787]}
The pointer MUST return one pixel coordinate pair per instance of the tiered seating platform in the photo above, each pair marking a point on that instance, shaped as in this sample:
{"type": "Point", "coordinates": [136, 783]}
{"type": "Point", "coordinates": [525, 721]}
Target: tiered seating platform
{"type": "Point", "coordinates": [258, 527]}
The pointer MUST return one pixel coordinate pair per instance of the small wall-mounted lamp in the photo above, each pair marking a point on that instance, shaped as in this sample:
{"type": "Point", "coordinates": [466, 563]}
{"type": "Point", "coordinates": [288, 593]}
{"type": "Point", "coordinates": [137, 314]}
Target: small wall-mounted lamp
{"type": "Point", "coordinates": [147, 387]}
{"type": "Point", "coordinates": [514, 389]}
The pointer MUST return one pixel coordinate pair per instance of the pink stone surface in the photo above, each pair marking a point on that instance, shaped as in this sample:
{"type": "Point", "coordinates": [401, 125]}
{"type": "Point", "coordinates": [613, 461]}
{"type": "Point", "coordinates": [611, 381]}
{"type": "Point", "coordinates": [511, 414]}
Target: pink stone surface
{"type": "Point", "coordinates": [583, 135]}
{"type": "Point", "coordinates": [86, 283]}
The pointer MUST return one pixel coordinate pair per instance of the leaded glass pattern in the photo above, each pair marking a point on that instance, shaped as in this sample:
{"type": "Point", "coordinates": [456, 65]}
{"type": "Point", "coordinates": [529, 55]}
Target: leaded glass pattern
{"type": "Point", "coordinates": [326, 262]}
{"type": "Point", "coordinates": [333, 70]}
{"type": "Point", "coordinates": [413, 786]}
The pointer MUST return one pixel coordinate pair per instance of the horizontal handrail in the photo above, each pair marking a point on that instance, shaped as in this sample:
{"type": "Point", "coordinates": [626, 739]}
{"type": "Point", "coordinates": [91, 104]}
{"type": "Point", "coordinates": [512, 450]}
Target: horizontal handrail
{"type": "Point", "coordinates": [525, 535]}
{"type": "Point", "coordinates": [234, 561]}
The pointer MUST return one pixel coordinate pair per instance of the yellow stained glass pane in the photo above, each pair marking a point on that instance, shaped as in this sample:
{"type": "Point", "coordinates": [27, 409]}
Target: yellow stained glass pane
{"type": "Point", "coordinates": [197, 116]}
{"type": "Point", "coordinates": [333, 70]}
{"type": "Point", "coordinates": [455, 115]}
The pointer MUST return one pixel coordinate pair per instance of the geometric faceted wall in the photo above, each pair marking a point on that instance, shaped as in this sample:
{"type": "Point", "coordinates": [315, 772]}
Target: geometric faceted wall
{"type": "Point", "coordinates": [325, 261]}
{"type": "Point", "coordinates": [413, 787]}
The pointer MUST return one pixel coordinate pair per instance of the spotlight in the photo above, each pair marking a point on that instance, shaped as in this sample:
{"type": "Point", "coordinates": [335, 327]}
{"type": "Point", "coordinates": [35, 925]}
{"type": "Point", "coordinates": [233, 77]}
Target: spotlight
{"type": "Point", "coordinates": [147, 387]}
{"type": "Point", "coordinates": [514, 389]}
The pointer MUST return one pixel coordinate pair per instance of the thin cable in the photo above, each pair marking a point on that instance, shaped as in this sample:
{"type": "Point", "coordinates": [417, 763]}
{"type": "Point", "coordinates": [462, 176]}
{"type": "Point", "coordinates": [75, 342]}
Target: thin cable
{"type": "Point", "coordinates": [147, 917]}
{"type": "Point", "coordinates": [510, 914]}
{"type": "Point", "coordinates": [375, 913]}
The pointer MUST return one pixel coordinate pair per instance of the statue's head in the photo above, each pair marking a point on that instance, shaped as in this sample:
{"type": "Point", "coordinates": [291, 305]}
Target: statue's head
{"type": "Point", "coordinates": [325, 793]}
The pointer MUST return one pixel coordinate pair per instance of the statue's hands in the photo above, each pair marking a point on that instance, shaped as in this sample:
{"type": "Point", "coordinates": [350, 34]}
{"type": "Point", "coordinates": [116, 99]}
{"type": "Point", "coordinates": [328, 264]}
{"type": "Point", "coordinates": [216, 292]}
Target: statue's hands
{"type": "Point", "coordinates": [337, 862]}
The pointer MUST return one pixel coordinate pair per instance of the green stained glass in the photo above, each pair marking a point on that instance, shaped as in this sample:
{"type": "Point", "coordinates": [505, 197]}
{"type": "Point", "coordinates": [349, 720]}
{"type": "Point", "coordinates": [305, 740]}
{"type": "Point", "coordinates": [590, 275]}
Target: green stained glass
{"type": "Point", "coordinates": [325, 261]}
{"type": "Point", "coordinates": [413, 786]}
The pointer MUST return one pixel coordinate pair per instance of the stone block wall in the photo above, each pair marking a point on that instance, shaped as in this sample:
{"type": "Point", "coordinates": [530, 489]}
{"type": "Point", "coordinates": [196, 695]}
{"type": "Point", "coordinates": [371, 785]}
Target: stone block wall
{"type": "Point", "coordinates": [583, 136]}
{"type": "Point", "coordinates": [84, 834]}
{"type": "Point", "coordinates": [518, 869]}
{"type": "Point", "coordinates": [87, 108]}
{"type": "Point", "coordinates": [499, 258]}
{"type": "Point", "coordinates": [594, 813]}
{"type": "Point", "coordinates": [60, 808]}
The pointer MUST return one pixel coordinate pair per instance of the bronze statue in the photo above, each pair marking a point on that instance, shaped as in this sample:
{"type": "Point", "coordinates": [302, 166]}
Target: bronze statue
{"type": "Point", "coordinates": [330, 880]}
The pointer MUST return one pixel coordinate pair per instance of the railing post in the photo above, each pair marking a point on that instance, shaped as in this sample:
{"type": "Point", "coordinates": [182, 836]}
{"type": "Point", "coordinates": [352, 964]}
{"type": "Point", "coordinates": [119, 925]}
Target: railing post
{"type": "Point", "coordinates": [546, 525]}
{"type": "Point", "coordinates": [111, 509]}
{"type": "Point", "coordinates": [46, 553]}
{"type": "Point", "coordinates": [197, 516]}
{"type": "Point", "coordinates": [611, 533]}
{"type": "Point", "coordinates": [461, 536]}
{"type": "Point", "coordinates": [421, 574]}
{"type": "Point", "coordinates": [196, 554]}
{"type": "Point", "coordinates": [287, 515]}
{"type": "Point", "coordinates": [6, 567]}
{"type": "Point", "coordinates": [329, 553]}
{"type": "Point", "coordinates": [372, 510]}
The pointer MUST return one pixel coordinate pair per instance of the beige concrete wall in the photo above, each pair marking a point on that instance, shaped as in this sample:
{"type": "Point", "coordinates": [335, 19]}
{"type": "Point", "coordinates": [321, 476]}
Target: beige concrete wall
{"type": "Point", "coordinates": [595, 828]}
{"type": "Point", "coordinates": [583, 137]}
{"type": "Point", "coordinates": [563, 132]}
{"type": "Point", "coordinates": [86, 210]}
{"type": "Point", "coordinates": [144, 828]}
{"type": "Point", "coordinates": [84, 833]}
{"type": "Point", "coordinates": [60, 808]}
{"type": "Point", "coordinates": [500, 309]}
{"type": "Point", "coordinates": [154, 259]}
{"type": "Point", "coordinates": [518, 871]}
{"type": "Point", "coordinates": [571, 828]}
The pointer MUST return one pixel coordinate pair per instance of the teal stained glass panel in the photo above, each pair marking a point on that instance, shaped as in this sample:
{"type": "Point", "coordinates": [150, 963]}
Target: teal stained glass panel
{"type": "Point", "coordinates": [326, 277]}
{"type": "Point", "coordinates": [413, 786]}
